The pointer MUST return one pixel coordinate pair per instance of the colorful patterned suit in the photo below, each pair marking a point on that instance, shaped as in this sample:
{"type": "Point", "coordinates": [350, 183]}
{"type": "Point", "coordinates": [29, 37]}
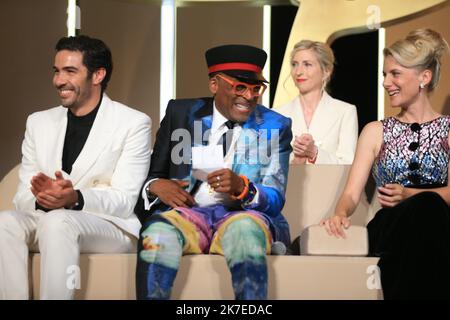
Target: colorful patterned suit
{"type": "Point", "coordinates": [262, 154]}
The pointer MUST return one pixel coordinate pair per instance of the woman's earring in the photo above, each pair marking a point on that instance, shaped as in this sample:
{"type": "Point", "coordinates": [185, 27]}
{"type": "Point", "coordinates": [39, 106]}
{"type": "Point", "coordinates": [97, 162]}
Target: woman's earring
{"type": "Point", "coordinates": [324, 84]}
{"type": "Point", "coordinates": [421, 85]}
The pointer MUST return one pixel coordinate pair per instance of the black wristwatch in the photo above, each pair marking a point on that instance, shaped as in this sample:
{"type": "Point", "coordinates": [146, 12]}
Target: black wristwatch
{"type": "Point", "coordinates": [79, 204]}
{"type": "Point", "coordinates": [150, 196]}
{"type": "Point", "coordinates": [250, 195]}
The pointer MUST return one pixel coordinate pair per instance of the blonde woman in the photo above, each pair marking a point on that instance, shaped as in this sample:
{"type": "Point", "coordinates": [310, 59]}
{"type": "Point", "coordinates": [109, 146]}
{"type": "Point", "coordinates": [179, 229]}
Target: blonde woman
{"type": "Point", "coordinates": [325, 129]}
{"type": "Point", "coordinates": [408, 155]}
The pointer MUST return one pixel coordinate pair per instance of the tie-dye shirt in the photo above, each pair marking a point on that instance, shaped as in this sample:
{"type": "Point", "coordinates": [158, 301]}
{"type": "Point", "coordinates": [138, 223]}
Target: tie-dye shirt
{"type": "Point", "coordinates": [413, 154]}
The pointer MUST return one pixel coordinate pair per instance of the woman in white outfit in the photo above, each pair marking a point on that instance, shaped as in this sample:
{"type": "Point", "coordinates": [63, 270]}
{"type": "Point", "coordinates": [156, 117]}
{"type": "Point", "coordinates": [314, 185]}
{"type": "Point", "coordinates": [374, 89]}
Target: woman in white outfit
{"type": "Point", "coordinates": [325, 129]}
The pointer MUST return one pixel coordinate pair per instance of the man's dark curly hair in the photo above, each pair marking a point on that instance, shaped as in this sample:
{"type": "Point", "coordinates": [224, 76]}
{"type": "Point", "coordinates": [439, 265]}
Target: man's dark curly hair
{"type": "Point", "coordinates": [96, 54]}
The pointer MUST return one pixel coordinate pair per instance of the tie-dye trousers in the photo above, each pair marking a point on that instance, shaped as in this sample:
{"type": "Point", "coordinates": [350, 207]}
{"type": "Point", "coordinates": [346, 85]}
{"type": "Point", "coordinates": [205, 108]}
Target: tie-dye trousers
{"type": "Point", "coordinates": [242, 237]}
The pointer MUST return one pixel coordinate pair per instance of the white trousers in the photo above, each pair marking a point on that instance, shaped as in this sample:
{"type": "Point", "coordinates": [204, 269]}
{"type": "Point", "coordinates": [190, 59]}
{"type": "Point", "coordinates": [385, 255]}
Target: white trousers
{"type": "Point", "coordinates": [60, 236]}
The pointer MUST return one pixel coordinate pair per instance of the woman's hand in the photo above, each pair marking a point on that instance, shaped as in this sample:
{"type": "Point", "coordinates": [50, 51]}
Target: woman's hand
{"type": "Point", "coordinates": [335, 225]}
{"type": "Point", "coordinates": [392, 194]}
{"type": "Point", "coordinates": [304, 147]}
{"type": "Point", "coordinates": [298, 160]}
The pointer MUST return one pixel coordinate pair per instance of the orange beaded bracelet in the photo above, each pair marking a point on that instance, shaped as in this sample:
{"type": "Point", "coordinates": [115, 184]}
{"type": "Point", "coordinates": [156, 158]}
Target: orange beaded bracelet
{"type": "Point", "coordinates": [245, 191]}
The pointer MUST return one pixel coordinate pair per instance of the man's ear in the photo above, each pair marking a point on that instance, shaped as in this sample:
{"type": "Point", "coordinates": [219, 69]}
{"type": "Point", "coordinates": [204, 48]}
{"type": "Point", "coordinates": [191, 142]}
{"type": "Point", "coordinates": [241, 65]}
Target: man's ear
{"type": "Point", "coordinates": [213, 85]}
{"type": "Point", "coordinates": [98, 76]}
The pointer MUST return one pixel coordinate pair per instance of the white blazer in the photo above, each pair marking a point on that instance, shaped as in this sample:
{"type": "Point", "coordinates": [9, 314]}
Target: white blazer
{"type": "Point", "coordinates": [110, 169]}
{"type": "Point", "coordinates": [334, 128]}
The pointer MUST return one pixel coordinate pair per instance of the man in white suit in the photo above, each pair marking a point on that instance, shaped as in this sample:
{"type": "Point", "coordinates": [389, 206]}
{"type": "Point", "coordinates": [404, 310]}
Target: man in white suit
{"type": "Point", "coordinates": [83, 164]}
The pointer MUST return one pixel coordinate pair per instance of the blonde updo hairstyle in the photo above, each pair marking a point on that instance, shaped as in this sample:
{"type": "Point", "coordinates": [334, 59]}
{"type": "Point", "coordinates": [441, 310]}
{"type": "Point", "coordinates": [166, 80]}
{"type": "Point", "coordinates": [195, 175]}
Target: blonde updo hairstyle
{"type": "Point", "coordinates": [422, 50]}
{"type": "Point", "coordinates": [323, 52]}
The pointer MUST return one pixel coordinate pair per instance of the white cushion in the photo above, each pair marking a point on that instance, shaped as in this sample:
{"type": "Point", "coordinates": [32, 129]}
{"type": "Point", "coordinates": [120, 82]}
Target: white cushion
{"type": "Point", "coordinates": [315, 241]}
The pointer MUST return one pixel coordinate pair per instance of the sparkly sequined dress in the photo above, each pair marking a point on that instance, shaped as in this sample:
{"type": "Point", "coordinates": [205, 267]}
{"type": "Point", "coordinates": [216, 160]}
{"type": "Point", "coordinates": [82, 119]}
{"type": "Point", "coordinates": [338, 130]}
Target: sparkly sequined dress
{"type": "Point", "coordinates": [412, 238]}
{"type": "Point", "coordinates": [413, 154]}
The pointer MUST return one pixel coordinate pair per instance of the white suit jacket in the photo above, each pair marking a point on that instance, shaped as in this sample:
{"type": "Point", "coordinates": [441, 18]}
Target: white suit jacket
{"type": "Point", "coordinates": [334, 128]}
{"type": "Point", "coordinates": [110, 169]}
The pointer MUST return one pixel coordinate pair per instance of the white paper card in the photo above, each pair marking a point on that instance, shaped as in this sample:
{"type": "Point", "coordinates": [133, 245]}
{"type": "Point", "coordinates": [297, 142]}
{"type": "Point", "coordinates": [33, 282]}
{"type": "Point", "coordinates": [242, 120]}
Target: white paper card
{"type": "Point", "coordinates": [206, 159]}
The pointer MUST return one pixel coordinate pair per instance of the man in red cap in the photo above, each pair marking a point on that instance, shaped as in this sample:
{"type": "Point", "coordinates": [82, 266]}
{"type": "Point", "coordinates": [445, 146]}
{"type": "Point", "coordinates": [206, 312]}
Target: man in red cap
{"type": "Point", "coordinates": [235, 210]}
